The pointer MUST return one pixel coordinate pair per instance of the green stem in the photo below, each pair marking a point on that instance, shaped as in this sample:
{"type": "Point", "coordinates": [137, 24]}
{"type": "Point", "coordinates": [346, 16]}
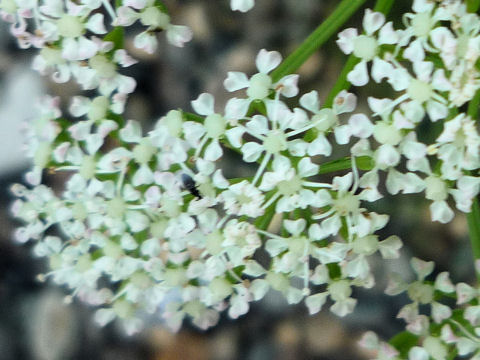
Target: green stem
{"type": "Point", "coordinates": [382, 6]}
{"type": "Point", "coordinates": [321, 34]}
{"type": "Point", "coordinates": [473, 217]}
{"type": "Point", "coordinates": [473, 5]}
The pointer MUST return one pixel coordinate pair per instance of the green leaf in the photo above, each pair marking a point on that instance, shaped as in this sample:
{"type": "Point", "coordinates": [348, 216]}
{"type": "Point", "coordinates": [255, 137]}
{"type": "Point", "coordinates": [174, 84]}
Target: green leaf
{"type": "Point", "coordinates": [403, 342]}
{"type": "Point", "coordinates": [473, 5]}
{"type": "Point", "coordinates": [116, 36]}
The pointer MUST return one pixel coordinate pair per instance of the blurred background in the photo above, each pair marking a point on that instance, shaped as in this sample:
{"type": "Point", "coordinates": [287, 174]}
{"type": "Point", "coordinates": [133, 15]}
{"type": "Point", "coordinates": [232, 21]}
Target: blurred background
{"type": "Point", "coordinates": [34, 321]}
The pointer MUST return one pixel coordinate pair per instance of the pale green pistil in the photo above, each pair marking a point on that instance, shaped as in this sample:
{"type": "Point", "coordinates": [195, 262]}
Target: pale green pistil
{"type": "Point", "coordinates": [116, 208]}
{"type": "Point", "coordinates": [70, 26]}
{"type": "Point", "coordinates": [420, 292]}
{"type": "Point", "coordinates": [259, 86]}
{"type": "Point", "coordinates": [88, 167]}
{"type": "Point", "coordinates": [215, 125]}
{"type": "Point", "coordinates": [143, 151]}
{"type": "Point", "coordinates": [365, 47]}
{"type": "Point", "coordinates": [422, 24]}
{"type": "Point", "coordinates": [419, 91]}
{"type": "Point", "coordinates": [275, 142]}
{"type": "Point", "coordinates": [435, 189]}
{"type": "Point", "coordinates": [243, 199]}
{"type": "Point", "coordinates": [346, 204]}
{"type": "Point", "coordinates": [290, 187]}
{"type": "Point", "coordinates": [213, 243]}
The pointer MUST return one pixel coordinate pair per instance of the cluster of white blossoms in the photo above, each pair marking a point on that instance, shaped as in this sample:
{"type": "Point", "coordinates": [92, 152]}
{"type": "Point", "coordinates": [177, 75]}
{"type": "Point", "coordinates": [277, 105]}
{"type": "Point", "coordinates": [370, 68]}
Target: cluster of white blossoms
{"type": "Point", "coordinates": [153, 224]}
{"type": "Point", "coordinates": [77, 41]}
{"type": "Point", "coordinates": [148, 223]}
{"type": "Point", "coordinates": [431, 65]}
{"type": "Point", "coordinates": [434, 330]}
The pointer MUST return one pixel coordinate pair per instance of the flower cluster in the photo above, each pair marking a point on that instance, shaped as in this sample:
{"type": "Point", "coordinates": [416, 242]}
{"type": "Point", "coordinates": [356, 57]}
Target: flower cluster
{"type": "Point", "coordinates": [431, 66]}
{"type": "Point", "coordinates": [147, 222]}
{"type": "Point", "coordinates": [76, 41]}
{"type": "Point", "coordinates": [156, 220]}
{"type": "Point", "coordinates": [434, 329]}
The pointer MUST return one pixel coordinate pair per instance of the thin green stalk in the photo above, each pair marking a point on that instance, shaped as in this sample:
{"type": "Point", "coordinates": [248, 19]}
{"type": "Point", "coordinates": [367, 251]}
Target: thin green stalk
{"type": "Point", "coordinates": [473, 5]}
{"type": "Point", "coordinates": [382, 6]}
{"type": "Point", "coordinates": [473, 217]}
{"type": "Point", "coordinates": [321, 34]}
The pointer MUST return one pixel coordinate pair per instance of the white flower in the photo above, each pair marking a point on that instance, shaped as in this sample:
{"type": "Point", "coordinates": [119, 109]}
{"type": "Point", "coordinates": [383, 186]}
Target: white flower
{"type": "Point", "coordinates": [243, 198]}
{"type": "Point", "coordinates": [259, 85]}
{"type": "Point", "coordinates": [366, 47]}
{"type": "Point", "coordinates": [242, 5]}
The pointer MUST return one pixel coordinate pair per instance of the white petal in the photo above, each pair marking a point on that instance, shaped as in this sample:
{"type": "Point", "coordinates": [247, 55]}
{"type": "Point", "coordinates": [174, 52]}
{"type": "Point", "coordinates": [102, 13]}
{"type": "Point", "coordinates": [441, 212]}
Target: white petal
{"type": "Point", "coordinates": [440, 211]}
{"type": "Point", "coordinates": [360, 126]}
{"type": "Point", "coordinates": [204, 104]}
{"type": "Point", "coordinates": [95, 24]}
{"type": "Point", "coordinates": [320, 146]}
{"type": "Point", "coordinates": [372, 21]}
{"type": "Point", "coordinates": [214, 151]}
{"type": "Point", "coordinates": [178, 35]}
{"type": "Point", "coordinates": [241, 5]}
{"type": "Point", "coordinates": [236, 108]}
{"type": "Point", "coordinates": [359, 75]}
{"type": "Point", "coordinates": [344, 102]}
{"type": "Point", "coordinates": [236, 81]}
{"type": "Point", "coordinates": [418, 353]}
{"type": "Point", "coordinates": [381, 69]}
{"type": "Point", "coordinates": [346, 39]}
{"type": "Point", "coordinates": [251, 151]}
{"type": "Point", "coordinates": [387, 35]}
{"type": "Point", "coordinates": [307, 168]}
{"type": "Point", "coordinates": [132, 132]}
{"type": "Point", "coordinates": [414, 52]}
{"type": "Point", "coordinates": [310, 101]}
{"type": "Point", "coordinates": [315, 302]}
{"type": "Point", "coordinates": [288, 85]}
{"type": "Point", "coordinates": [294, 227]}
{"type": "Point", "coordinates": [436, 110]}
{"type": "Point", "coordinates": [266, 61]}
{"type": "Point", "coordinates": [234, 136]}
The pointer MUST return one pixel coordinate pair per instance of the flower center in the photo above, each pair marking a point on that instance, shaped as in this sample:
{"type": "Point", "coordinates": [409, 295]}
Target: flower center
{"type": "Point", "coordinates": [213, 243]}
{"type": "Point", "coordinates": [87, 168]}
{"type": "Point", "coordinates": [422, 24]}
{"type": "Point", "coordinates": [103, 66]}
{"type": "Point", "coordinates": [116, 208]}
{"type": "Point", "coordinates": [290, 187]}
{"type": "Point", "coordinates": [170, 207]}
{"type": "Point", "coordinates": [143, 151]}
{"type": "Point", "coordinates": [435, 189]}
{"type": "Point", "coordinates": [386, 133]}
{"type": "Point", "coordinates": [98, 108]}
{"type": "Point", "coordinates": [70, 26]}
{"type": "Point", "coordinates": [275, 142]}
{"type": "Point", "coordinates": [419, 91]}
{"type": "Point", "coordinates": [420, 292]}
{"type": "Point", "coordinates": [346, 204]}
{"type": "Point", "coordinates": [52, 56]}
{"type": "Point", "coordinates": [259, 86]}
{"type": "Point", "coordinates": [324, 120]}
{"type": "Point", "coordinates": [365, 47]}
{"type": "Point", "coordinates": [215, 125]}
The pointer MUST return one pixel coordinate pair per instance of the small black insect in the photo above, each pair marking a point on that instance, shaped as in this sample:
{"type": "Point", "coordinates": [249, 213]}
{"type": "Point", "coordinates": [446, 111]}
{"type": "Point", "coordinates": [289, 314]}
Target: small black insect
{"type": "Point", "coordinates": [190, 185]}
